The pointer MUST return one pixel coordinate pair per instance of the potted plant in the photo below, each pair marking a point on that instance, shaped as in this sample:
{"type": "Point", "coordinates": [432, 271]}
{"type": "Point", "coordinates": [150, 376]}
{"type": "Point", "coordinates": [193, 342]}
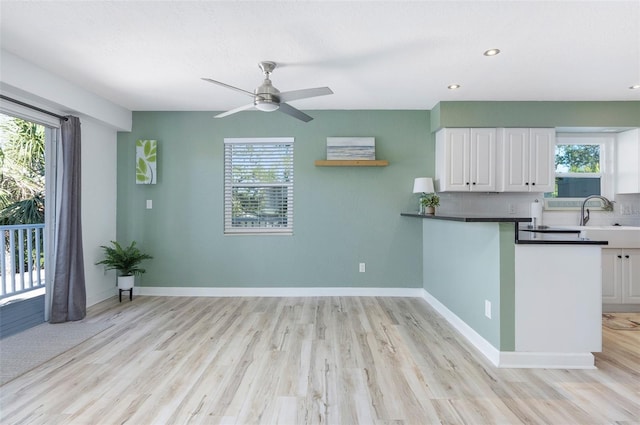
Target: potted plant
{"type": "Point", "coordinates": [126, 261]}
{"type": "Point", "coordinates": [430, 202]}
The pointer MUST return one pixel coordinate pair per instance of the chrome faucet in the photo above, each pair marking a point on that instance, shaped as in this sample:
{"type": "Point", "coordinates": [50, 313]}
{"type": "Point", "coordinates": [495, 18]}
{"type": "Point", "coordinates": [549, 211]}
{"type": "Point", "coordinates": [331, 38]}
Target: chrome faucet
{"type": "Point", "coordinates": [608, 206]}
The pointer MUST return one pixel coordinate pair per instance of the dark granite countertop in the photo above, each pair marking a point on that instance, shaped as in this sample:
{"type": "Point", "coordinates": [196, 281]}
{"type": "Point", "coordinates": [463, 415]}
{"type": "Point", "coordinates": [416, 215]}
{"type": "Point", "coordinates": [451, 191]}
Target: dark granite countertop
{"type": "Point", "coordinates": [469, 218]}
{"type": "Point", "coordinates": [554, 235]}
{"type": "Point", "coordinates": [555, 238]}
{"type": "Point", "coordinates": [523, 234]}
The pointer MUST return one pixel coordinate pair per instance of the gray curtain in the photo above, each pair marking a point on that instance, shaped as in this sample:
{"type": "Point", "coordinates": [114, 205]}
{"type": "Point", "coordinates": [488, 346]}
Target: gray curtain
{"type": "Point", "coordinates": [69, 298]}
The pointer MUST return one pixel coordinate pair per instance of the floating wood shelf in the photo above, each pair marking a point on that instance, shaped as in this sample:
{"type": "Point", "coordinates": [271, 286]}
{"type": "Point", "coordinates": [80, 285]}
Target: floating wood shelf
{"type": "Point", "coordinates": [352, 163]}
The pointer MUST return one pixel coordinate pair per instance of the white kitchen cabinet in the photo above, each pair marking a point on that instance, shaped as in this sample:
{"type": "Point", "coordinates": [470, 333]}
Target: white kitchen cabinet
{"type": "Point", "coordinates": [621, 276]}
{"type": "Point", "coordinates": [466, 160]}
{"type": "Point", "coordinates": [627, 160]}
{"type": "Point", "coordinates": [526, 160]}
{"type": "Point", "coordinates": [611, 276]}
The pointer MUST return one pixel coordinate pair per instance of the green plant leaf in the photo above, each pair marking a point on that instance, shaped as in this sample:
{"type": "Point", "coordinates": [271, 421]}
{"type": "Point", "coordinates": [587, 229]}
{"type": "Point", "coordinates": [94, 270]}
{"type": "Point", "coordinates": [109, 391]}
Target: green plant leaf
{"type": "Point", "coordinates": [126, 260]}
{"type": "Point", "coordinates": [142, 166]}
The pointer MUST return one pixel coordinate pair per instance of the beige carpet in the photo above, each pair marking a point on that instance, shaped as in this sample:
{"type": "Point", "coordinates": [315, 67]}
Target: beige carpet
{"type": "Point", "coordinates": [622, 321]}
{"type": "Point", "coordinates": [28, 349]}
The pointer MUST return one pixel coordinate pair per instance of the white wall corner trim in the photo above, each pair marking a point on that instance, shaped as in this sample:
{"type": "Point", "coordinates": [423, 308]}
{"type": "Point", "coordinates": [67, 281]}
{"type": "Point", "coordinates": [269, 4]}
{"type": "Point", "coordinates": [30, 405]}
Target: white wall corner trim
{"type": "Point", "coordinates": [95, 297]}
{"type": "Point", "coordinates": [29, 83]}
{"type": "Point", "coordinates": [511, 359]}
{"type": "Point", "coordinates": [276, 292]}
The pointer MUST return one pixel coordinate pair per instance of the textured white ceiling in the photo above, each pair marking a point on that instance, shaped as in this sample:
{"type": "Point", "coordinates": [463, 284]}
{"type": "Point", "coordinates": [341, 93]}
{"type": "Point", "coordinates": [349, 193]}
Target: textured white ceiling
{"type": "Point", "coordinates": [147, 55]}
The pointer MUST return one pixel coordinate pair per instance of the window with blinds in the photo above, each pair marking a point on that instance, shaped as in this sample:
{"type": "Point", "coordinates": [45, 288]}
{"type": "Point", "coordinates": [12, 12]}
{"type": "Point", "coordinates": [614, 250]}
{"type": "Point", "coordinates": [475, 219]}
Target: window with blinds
{"type": "Point", "coordinates": [258, 186]}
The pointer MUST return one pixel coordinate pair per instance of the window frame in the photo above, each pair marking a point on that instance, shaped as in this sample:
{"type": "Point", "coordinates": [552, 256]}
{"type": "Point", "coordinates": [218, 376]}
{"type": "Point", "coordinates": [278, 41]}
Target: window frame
{"type": "Point", "coordinates": [229, 186]}
{"type": "Point", "coordinates": [607, 146]}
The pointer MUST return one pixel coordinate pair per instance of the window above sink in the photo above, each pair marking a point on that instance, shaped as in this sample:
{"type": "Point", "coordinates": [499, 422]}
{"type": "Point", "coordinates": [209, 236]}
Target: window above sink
{"type": "Point", "coordinates": [584, 167]}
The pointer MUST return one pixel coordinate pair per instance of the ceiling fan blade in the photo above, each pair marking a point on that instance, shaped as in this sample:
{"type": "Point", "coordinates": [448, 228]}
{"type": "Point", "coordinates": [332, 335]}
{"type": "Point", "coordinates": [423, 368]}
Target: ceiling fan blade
{"type": "Point", "coordinates": [233, 111]}
{"type": "Point", "coordinates": [229, 87]}
{"type": "Point", "coordinates": [304, 93]}
{"type": "Point", "coordinates": [295, 113]}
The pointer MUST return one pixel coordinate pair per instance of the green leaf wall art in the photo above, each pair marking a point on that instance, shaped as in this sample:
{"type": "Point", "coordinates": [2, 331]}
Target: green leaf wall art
{"type": "Point", "coordinates": [146, 154]}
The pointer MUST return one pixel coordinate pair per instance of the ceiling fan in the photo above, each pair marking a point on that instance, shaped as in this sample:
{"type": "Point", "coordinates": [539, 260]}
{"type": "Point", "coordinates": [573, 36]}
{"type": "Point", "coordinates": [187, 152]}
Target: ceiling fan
{"type": "Point", "coordinates": [268, 98]}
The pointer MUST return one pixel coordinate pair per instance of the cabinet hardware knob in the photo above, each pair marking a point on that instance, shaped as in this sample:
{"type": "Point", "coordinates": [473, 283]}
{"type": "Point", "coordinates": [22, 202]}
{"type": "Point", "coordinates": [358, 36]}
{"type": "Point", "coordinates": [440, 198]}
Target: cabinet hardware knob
{"type": "Point", "coordinates": [533, 184]}
{"type": "Point", "coordinates": [626, 256]}
{"type": "Point", "coordinates": [527, 183]}
{"type": "Point", "coordinates": [467, 183]}
{"type": "Point", "coordinates": [474, 183]}
{"type": "Point", "coordinates": [619, 256]}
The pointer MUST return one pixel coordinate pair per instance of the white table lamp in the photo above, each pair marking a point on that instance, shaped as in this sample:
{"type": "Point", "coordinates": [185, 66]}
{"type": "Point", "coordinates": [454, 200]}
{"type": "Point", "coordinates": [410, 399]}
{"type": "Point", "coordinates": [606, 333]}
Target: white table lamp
{"type": "Point", "coordinates": [423, 185]}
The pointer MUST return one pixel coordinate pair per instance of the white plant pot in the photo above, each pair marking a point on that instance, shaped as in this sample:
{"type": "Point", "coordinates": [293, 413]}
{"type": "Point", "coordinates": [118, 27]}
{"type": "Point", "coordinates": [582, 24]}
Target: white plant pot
{"type": "Point", "coordinates": [125, 282]}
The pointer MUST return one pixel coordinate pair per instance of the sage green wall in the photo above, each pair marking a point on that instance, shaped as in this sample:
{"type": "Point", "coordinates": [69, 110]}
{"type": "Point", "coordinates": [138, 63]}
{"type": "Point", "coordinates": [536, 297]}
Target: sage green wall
{"type": "Point", "coordinates": [535, 114]}
{"type": "Point", "coordinates": [343, 215]}
{"type": "Point", "coordinates": [507, 287]}
{"type": "Point", "coordinates": [468, 263]}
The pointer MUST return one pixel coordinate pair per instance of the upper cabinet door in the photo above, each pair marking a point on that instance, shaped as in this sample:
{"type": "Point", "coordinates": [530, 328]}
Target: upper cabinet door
{"type": "Point", "coordinates": [483, 160]}
{"type": "Point", "coordinates": [458, 147]}
{"type": "Point", "coordinates": [514, 147]}
{"type": "Point", "coordinates": [542, 146]}
{"type": "Point", "coordinates": [466, 160]}
{"type": "Point", "coordinates": [628, 157]}
{"type": "Point", "coordinates": [452, 160]}
{"type": "Point", "coordinates": [527, 161]}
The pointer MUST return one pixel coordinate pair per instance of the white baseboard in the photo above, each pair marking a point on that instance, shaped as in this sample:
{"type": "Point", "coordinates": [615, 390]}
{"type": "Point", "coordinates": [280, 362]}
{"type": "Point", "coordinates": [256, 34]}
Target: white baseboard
{"type": "Point", "coordinates": [277, 292]}
{"type": "Point", "coordinates": [511, 359]}
{"type": "Point", "coordinates": [531, 360]}
{"type": "Point", "coordinates": [481, 344]}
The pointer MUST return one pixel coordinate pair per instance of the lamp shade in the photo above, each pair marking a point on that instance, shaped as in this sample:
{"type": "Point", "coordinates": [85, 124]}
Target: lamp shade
{"type": "Point", "coordinates": [423, 185]}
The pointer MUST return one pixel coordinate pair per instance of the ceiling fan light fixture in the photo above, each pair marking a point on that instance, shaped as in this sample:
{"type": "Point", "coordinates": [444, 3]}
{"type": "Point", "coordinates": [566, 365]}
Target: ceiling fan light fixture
{"type": "Point", "coordinates": [453, 86]}
{"type": "Point", "coordinates": [267, 98]}
{"type": "Point", "coordinates": [491, 52]}
{"type": "Point", "coordinates": [266, 106]}
{"type": "Point", "coordinates": [635, 87]}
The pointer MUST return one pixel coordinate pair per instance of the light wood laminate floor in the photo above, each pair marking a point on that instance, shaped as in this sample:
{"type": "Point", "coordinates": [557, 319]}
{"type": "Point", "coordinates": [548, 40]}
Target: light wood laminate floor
{"type": "Point", "coordinates": [324, 360]}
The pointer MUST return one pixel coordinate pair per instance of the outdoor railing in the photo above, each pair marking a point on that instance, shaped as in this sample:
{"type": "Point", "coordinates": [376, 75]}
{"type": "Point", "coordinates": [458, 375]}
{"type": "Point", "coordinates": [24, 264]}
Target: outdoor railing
{"type": "Point", "coordinates": [22, 259]}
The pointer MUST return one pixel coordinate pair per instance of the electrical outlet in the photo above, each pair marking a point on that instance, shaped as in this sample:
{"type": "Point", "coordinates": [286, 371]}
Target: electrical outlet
{"type": "Point", "coordinates": [487, 308]}
{"type": "Point", "coordinates": [149, 204]}
{"type": "Point", "coordinates": [362, 268]}
{"type": "Point", "coordinates": [512, 208]}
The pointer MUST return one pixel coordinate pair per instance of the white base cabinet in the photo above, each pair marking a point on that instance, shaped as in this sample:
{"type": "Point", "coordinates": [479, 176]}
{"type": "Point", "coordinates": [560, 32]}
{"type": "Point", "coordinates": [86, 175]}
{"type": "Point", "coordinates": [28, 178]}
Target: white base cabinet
{"type": "Point", "coordinates": [621, 276]}
{"type": "Point", "coordinates": [557, 298]}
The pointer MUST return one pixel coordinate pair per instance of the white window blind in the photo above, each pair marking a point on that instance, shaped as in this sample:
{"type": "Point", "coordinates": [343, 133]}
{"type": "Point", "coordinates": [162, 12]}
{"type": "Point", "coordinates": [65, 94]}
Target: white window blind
{"type": "Point", "coordinates": [258, 185]}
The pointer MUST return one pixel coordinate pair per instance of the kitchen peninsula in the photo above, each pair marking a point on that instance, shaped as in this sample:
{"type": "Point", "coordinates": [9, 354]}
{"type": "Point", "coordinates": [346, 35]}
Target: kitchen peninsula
{"type": "Point", "coordinates": [523, 298]}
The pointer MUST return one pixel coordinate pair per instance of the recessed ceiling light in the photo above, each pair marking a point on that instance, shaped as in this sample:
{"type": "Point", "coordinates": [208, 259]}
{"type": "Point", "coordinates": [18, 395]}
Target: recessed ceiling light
{"type": "Point", "coordinates": [453, 86]}
{"type": "Point", "coordinates": [635, 87]}
{"type": "Point", "coordinates": [491, 52]}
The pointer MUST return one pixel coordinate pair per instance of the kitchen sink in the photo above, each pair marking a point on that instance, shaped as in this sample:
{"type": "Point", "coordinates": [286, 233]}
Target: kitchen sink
{"type": "Point", "coordinates": [617, 236]}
